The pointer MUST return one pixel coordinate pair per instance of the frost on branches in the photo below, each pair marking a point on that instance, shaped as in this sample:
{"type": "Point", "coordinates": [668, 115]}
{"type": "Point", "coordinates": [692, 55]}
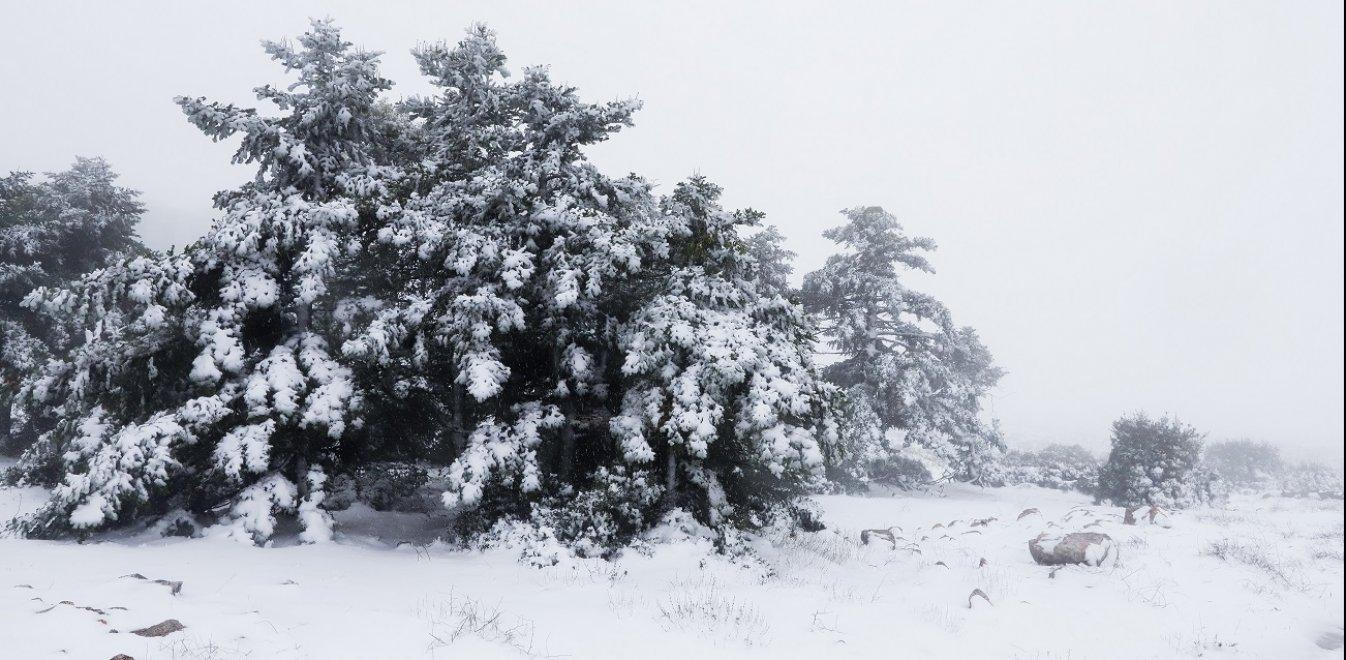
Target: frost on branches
{"type": "Point", "coordinates": [52, 231]}
{"type": "Point", "coordinates": [910, 375]}
{"type": "Point", "coordinates": [721, 389]}
{"type": "Point", "coordinates": [565, 339]}
{"type": "Point", "coordinates": [206, 381]}
{"type": "Point", "coordinates": [445, 280]}
{"type": "Point", "coordinates": [1155, 462]}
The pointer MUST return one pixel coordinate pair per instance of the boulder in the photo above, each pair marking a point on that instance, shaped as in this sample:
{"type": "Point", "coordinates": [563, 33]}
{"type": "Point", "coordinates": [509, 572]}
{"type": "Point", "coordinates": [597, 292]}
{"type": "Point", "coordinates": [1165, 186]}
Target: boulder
{"type": "Point", "coordinates": [1088, 548]}
{"type": "Point", "coordinates": [166, 627]}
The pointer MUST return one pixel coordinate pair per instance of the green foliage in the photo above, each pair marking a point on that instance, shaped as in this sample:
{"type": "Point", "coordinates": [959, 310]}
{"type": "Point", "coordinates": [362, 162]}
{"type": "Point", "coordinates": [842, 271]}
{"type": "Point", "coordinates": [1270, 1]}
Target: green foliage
{"type": "Point", "coordinates": [1154, 462]}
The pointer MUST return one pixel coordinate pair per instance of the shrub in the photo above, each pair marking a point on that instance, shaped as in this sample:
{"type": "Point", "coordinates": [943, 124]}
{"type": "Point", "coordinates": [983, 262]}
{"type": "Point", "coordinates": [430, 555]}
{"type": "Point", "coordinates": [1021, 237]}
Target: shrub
{"type": "Point", "coordinates": [605, 515]}
{"type": "Point", "coordinates": [900, 472]}
{"type": "Point", "coordinates": [1062, 467]}
{"type": "Point", "coordinates": [389, 485]}
{"type": "Point", "coordinates": [1312, 480]}
{"type": "Point", "coordinates": [1244, 463]}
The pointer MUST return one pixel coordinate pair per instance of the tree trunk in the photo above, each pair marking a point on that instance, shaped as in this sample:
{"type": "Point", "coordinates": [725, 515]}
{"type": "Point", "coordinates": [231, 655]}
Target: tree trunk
{"type": "Point", "coordinates": [567, 438]}
{"type": "Point", "coordinates": [457, 426]}
{"type": "Point", "coordinates": [671, 475]}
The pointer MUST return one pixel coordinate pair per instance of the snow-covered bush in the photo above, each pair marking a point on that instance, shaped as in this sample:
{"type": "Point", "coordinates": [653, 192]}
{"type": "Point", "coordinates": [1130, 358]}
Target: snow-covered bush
{"type": "Point", "coordinates": [1312, 480]}
{"type": "Point", "coordinates": [899, 471]}
{"type": "Point", "coordinates": [1058, 466]}
{"type": "Point", "coordinates": [1244, 463]}
{"type": "Point", "coordinates": [603, 515]}
{"type": "Point", "coordinates": [388, 485]}
{"type": "Point", "coordinates": [52, 231]}
{"type": "Point", "coordinates": [904, 366]}
{"type": "Point", "coordinates": [1155, 462]}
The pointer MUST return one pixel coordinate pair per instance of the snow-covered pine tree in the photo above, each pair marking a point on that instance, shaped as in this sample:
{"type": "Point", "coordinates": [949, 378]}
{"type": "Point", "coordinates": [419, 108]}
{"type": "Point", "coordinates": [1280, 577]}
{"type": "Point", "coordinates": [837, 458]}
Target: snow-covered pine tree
{"type": "Point", "coordinates": [773, 261]}
{"type": "Point", "coordinates": [529, 299]}
{"type": "Point", "coordinates": [720, 385]}
{"type": "Point", "coordinates": [53, 230]}
{"type": "Point", "coordinates": [1155, 462]}
{"type": "Point", "coordinates": [207, 382]}
{"type": "Point", "coordinates": [494, 284]}
{"type": "Point", "coordinates": [582, 355]}
{"type": "Point", "coordinates": [910, 375]}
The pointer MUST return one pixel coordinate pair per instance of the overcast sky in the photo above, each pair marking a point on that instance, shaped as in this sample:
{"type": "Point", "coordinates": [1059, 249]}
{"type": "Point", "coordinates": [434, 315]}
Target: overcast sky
{"type": "Point", "coordinates": [1139, 205]}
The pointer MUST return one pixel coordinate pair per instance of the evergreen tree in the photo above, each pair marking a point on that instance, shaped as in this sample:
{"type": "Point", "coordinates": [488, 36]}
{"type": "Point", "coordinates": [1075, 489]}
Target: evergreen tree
{"type": "Point", "coordinates": [53, 231]}
{"type": "Point", "coordinates": [207, 380]}
{"type": "Point", "coordinates": [1244, 463]}
{"type": "Point", "coordinates": [445, 279]}
{"type": "Point", "coordinates": [1155, 462]}
{"type": "Point", "coordinates": [525, 324]}
{"type": "Point", "coordinates": [910, 375]}
{"type": "Point", "coordinates": [721, 388]}
{"type": "Point", "coordinates": [772, 261]}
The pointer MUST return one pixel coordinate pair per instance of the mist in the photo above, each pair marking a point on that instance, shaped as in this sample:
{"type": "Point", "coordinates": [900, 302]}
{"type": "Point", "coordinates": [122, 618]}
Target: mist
{"type": "Point", "coordinates": [1139, 207]}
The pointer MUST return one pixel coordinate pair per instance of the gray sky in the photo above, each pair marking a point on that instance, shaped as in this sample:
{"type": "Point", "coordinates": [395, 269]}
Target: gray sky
{"type": "Point", "coordinates": [1139, 205]}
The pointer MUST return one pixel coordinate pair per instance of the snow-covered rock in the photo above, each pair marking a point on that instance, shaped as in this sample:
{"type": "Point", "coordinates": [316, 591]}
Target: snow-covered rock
{"type": "Point", "coordinates": [1088, 548]}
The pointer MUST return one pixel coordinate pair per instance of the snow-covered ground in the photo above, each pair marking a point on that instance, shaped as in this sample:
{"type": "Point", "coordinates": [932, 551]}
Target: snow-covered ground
{"type": "Point", "coordinates": [1257, 578]}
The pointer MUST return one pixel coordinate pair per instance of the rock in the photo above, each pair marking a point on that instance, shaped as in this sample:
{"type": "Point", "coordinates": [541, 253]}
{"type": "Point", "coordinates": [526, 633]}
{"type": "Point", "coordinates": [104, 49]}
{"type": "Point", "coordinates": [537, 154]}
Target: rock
{"type": "Point", "coordinates": [1088, 548]}
{"type": "Point", "coordinates": [160, 629]}
{"type": "Point", "coordinates": [1028, 512]}
{"type": "Point", "coordinates": [122, 656]}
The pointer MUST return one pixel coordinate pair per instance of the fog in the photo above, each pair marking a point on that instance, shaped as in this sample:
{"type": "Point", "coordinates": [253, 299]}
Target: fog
{"type": "Point", "coordinates": [1139, 206]}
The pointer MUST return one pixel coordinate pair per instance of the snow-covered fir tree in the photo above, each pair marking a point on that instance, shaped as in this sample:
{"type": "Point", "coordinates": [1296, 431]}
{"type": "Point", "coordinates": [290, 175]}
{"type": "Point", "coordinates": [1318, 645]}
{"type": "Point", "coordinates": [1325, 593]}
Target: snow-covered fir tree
{"type": "Point", "coordinates": [206, 381]}
{"type": "Point", "coordinates": [911, 376]}
{"type": "Point", "coordinates": [773, 261]}
{"type": "Point", "coordinates": [1155, 461]}
{"type": "Point", "coordinates": [53, 230]}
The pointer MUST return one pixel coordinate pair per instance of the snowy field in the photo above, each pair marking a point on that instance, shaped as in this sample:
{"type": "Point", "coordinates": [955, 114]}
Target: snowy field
{"type": "Point", "coordinates": [1256, 578]}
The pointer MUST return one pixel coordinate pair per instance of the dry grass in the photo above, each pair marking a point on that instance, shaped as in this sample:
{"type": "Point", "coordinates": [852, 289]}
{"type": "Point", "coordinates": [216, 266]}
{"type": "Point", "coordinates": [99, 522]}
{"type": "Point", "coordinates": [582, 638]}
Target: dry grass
{"type": "Point", "coordinates": [1259, 556]}
{"type": "Point", "coordinates": [458, 616]}
{"type": "Point", "coordinates": [702, 607]}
